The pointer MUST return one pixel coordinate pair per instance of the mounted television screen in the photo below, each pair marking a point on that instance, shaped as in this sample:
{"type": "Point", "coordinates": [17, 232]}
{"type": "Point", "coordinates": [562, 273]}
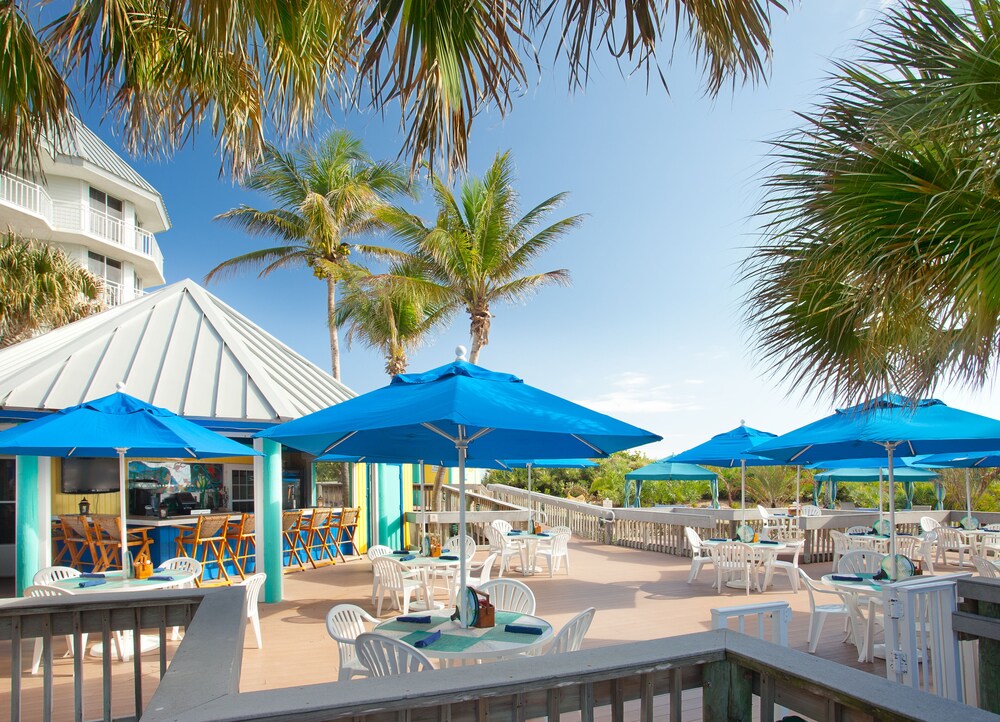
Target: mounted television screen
{"type": "Point", "coordinates": [89, 476]}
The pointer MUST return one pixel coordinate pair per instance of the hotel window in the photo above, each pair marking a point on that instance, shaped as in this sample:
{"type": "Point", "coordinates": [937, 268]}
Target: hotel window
{"type": "Point", "coordinates": [241, 489]}
{"type": "Point", "coordinates": [103, 267]}
{"type": "Point", "coordinates": [102, 202]}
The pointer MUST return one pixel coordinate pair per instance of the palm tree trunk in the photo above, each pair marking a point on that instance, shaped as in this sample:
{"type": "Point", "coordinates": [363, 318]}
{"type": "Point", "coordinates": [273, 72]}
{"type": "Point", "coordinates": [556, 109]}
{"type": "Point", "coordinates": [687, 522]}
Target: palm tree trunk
{"type": "Point", "coordinates": [331, 309]}
{"type": "Point", "coordinates": [480, 332]}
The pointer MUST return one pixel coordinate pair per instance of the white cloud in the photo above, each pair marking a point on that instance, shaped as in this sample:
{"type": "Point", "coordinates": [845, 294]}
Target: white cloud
{"type": "Point", "coordinates": [694, 382]}
{"type": "Point", "coordinates": [635, 393]}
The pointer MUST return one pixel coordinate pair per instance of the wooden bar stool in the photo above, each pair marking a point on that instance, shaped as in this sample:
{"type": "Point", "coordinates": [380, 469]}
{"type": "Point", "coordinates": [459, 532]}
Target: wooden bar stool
{"type": "Point", "coordinates": [291, 530]}
{"type": "Point", "coordinates": [60, 551]}
{"type": "Point", "coordinates": [346, 526]}
{"type": "Point", "coordinates": [318, 539]}
{"type": "Point", "coordinates": [240, 538]}
{"type": "Point", "coordinates": [78, 538]}
{"type": "Point", "coordinates": [208, 536]}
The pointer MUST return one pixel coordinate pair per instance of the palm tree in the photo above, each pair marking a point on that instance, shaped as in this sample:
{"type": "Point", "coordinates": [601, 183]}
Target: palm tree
{"type": "Point", "coordinates": [474, 256]}
{"type": "Point", "coordinates": [383, 318]}
{"type": "Point", "coordinates": [326, 196]}
{"type": "Point", "coordinates": [168, 69]}
{"type": "Point", "coordinates": [41, 288]}
{"type": "Point", "coordinates": [878, 270]}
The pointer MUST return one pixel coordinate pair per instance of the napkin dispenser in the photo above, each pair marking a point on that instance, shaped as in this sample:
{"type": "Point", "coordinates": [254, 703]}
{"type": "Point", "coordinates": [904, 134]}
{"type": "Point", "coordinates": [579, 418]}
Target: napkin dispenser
{"type": "Point", "coordinates": [487, 616]}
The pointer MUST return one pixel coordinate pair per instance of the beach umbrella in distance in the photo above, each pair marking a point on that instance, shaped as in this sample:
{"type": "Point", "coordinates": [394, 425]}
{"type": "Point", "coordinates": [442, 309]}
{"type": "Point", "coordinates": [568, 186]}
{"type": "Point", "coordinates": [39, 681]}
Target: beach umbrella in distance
{"type": "Point", "coordinates": [459, 414]}
{"type": "Point", "coordinates": [544, 464]}
{"type": "Point", "coordinates": [966, 461]}
{"type": "Point", "coordinates": [884, 425]}
{"type": "Point", "coordinates": [869, 470]}
{"type": "Point", "coordinates": [731, 449]}
{"type": "Point", "coordinates": [670, 470]}
{"type": "Point", "coordinates": [118, 425]}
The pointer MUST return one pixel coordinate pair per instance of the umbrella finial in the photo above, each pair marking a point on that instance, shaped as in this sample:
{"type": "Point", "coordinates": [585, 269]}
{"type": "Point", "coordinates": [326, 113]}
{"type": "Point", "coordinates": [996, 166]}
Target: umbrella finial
{"type": "Point", "coordinates": [743, 422]}
{"type": "Point", "coordinates": [120, 386]}
{"type": "Point", "coordinates": [460, 353]}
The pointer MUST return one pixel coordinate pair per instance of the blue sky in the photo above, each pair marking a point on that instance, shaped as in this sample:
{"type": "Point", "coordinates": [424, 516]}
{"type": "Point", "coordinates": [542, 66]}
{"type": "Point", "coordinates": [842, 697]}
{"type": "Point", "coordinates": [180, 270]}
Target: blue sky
{"type": "Point", "coordinates": [650, 329]}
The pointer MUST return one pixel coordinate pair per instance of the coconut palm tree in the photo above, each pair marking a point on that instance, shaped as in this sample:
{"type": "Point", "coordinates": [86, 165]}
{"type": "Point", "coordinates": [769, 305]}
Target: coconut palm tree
{"type": "Point", "coordinates": [326, 197]}
{"type": "Point", "coordinates": [41, 288]}
{"type": "Point", "coordinates": [476, 253]}
{"type": "Point", "coordinates": [382, 317]}
{"type": "Point", "coordinates": [878, 269]}
{"type": "Point", "coordinates": [167, 69]}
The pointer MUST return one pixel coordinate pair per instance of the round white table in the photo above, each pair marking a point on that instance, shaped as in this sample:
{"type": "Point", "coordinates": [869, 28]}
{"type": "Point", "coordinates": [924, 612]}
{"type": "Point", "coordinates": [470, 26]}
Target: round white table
{"type": "Point", "coordinates": [472, 644]}
{"type": "Point", "coordinates": [861, 587]}
{"type": "Point", "coordinates": [528, 544]}
{"type": "Point", "coordinates": [763, 551]}
{"type": "Point", "coordinates": [429, 568]}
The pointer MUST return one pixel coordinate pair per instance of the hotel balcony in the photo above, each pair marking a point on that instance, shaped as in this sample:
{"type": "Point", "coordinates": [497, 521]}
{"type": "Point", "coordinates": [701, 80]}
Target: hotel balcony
{"type": "Point", "coordinates": [100, 232]}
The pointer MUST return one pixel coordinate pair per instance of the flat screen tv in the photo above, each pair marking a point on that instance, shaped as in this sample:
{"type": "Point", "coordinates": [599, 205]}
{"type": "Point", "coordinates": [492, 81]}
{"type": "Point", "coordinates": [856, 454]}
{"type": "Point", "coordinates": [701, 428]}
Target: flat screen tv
{"type": "Point", "coordinates": [89, 476]}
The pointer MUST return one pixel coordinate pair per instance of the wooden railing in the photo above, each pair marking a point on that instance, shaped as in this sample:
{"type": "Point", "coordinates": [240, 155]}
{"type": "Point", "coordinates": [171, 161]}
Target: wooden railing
{"type": "Point", "coordinates": [586, 520]}
{"type": "Point", "coordinates": [630, 681]}
{"type": "Point", "coordinates": [100, 616]}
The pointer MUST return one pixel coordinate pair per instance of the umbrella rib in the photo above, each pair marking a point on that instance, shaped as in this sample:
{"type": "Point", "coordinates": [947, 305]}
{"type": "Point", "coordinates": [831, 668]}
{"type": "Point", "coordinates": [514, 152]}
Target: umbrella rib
{"type": "Point", "coordinates": [339, 441]}
{"type": "Point", "coordinates": [801, 453]}
{"type": "Point", "coordinates": [587, 443]}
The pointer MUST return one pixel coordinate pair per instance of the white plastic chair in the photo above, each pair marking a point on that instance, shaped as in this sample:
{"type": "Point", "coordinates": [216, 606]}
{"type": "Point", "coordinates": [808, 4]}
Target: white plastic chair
{"type": "Point", "coordinates": [45, 577]}
{"type": "Point", "coordinates": [555, 552]}
{"type": "Point", "coordinates": [985, 568]}
{"type": "Point", "coordinates": [501, 525]}
{"type": "Point", "coordinates": [452, 544]}
{"type": "Point", "coordinates": [560, 530]}
{"type": "Point", "coordinates": [41, 591]}
{"type": "Point", "coordinates": [929, 524]}
{"type": "Point", "coordinates": [700, 555]}
{"type": "Point", "coordinates": [253, 583]}
{"type": "Point", "coordinates": [345, 623]}
{"type": "Point", "coordinates": [951, 540]}
{"type": "Point", "coordinates": [570, 637]}
{"type": "Point", "coordinates": [791, 568]}
{"type": "Point", "coordinates": [916, 548]}
{"type": "Point", "coordinates": [509, 595]}
{"type": "Point", "coordinates": [859, 530]}
{"type": "Point", "coordinates": [397, 581]}
{"type": "Point", "coordinates": [768, 518]}
{"type": "Point", "coordinates": [860, 561]}
{"type": "Point", "coordinates": [188, 566]}
{"type": "Point", "coordinates": [991, 542]}
{"type": "Point", "coordinates": [819, 612]}
{"type": "Point", "coordinates": [502, 546]}
{"type": "Point", "coordinates": [841, 545]}
{"type": "Point", "coordinates": [480, 574]}
{"type": "Point", "coordinates": [373, 553]}
{"type": "Point", "coordinates": [387, 657]}
{"type": "Point", "coordinates": [810, 510]}
{"type": "Point", "coordinates": [731, 560]}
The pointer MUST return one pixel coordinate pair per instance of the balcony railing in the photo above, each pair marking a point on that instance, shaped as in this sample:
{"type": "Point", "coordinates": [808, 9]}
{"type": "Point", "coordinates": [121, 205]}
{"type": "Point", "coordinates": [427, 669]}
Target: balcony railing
{"type": "Point", "coordinates": [77, 217]}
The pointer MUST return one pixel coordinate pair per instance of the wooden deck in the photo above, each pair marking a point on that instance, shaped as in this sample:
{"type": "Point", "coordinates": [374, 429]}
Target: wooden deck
{"type": "Point", "coordinates": [639, 596]}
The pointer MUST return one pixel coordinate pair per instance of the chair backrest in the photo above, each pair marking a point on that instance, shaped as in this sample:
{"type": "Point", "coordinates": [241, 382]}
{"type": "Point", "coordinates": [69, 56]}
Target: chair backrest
{"type": "Point", "coordinates": [390, 572]}
{"type": "Point", "coordinates": [43, 590]}
{"type": "Point", "coordinates": [859, 530]}
{"type": "Point", "coordinates": [570, 637]}
{"type": "Point", "coordinates": [105, 527]}
{"type": "Point", "coordinates": [693, 540]}
{"type": "Point", "coordinates": [452, 544]}
{"type": "Point", "coordinates": [812, 588]}
{"type": "Point", "coordinates": [344, 623]}
{"type": "Point", "coordinates": [730, 555]}
{"type": "Point", "coordinates": [841, 542]}
{"type": "Point", "coordinates": [378, 550]}
{"type": "Point", "coordinates": [560, 529]}
{"type": "Point", "coordinates": [347, 523]}
{"type": "Point", "coordinates": [319, 518]}
{"type": "Point", "coordinates": [509, 595]}
{"type": "Point", "coordinates": [949, 538]}
{"type": "Point", "coordinates": [929, 524]}
{"type": "Point", "coordinates": [387, 657]}
{"type": "Point", "coordinates": [985, 567]}
{"type": "Point", "coordinates": [497, 539]}
{"type": "Point", "coordinates": [764, 513]}
{"type": "Point", "coordinates": [253, 583]}
{"type": "Point", "coordinates": [211, 526]}
{"type": "Point", "coordinates": [908, 546]}
{"type": "Point", "coordinates": [860, 560]}
{"type": "Point", "coordinates": [75, 527]}
{"type": "Point", "coordinates": [51, 574]}
{"type": "Point", "coordinates": [810, 510]}
{"type": "Point", "coordinates": [501, 525]}
{"type": "Point", "coordinates": [290, 520]}
{"type": "Point", "coordinates": [183, 564]}
{"type": "Point", "coordinates": [560, 544]}
{"type": "Point", "coordinates": [484, 571]}
{"type": "Point", "coordinates": [248, 524]}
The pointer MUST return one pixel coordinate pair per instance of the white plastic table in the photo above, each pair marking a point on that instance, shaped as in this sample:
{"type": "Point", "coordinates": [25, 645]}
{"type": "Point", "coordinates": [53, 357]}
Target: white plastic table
{"type": "Point", "coordinates": [472, 644]}
{"type": "Point", "coordinates": [764, 553]}
{"type": "Point", "coordinates": [867, 592]}
{"type": "Point", "coordinates": [428, 568]}
{"type": "Point", "coordinates": [528, 544]}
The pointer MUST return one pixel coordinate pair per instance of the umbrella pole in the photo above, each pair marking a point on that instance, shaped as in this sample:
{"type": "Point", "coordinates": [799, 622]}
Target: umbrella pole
{"type": "Point", "coordinates": [462, 445]}
{"type": "Point", "coordinates": [889, 448]}
{"type": "Point", "coordinates": [122, 484]}
{"type": "Point", "coordinates": [423, 503]}
{"type": "Point", "coordinates": [968, 494]}
{"type": "Point", "coordinates": [743, 488]}
{"type": "Point", "coordinates": [531, 527]}
{"type": "Point", "coordinates": [798, 480]}
{"type": "Point", "coordinates": [880, 514]}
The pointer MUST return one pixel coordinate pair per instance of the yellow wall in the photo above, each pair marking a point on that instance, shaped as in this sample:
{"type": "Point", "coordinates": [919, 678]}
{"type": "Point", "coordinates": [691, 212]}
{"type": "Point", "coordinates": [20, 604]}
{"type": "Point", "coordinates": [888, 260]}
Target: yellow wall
{"type": "Point", "coordinates": [358, 499]}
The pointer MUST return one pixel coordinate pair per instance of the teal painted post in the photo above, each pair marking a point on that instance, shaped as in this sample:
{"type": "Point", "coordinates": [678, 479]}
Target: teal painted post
{"type": "Point", "coordinates": [272, 520]}
{"type": "Point", "coordinates": [26, 521]}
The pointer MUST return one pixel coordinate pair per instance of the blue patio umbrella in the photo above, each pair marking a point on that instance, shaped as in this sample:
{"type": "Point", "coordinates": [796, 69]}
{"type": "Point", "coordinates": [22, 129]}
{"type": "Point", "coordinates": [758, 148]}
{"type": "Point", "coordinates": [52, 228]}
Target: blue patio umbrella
{"type": "Point", "coordinates": [966, 461]}
{"type": "Point", "coordinates": [883, 425]}
{"type": "Point", "coordinates": [529, 464]}
{"type": "Point", "coordinates": [113, 426]}
{"type": "Point", "coordinates": [670, 470]}
{"type": "Point", "coordinates": [456, 415]}
{"type": "Point", "coordinates": [731, 449]}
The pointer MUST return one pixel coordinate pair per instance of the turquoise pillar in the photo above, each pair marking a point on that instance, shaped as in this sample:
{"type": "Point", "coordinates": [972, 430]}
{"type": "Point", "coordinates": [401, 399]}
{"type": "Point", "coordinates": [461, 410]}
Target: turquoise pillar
{"type": "Point", "coordinates": [26, 522]}
{"type": "Point", "coordinates": [271, 503]}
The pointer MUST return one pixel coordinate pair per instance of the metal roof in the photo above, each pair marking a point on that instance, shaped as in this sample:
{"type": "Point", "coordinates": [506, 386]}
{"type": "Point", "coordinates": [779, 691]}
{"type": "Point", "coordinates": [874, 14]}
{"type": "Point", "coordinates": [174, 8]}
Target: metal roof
{"type": "Point", "coordinates": [181, 348]}
{"type": "Point", "coordinates": [83, 143]}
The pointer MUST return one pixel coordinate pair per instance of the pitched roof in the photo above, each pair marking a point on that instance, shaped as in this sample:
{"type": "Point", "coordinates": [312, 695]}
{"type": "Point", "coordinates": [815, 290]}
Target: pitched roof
{"type": "Point", "coordinates": [83, 143]}
{"type": "Point", "coordinates": [181, 348]}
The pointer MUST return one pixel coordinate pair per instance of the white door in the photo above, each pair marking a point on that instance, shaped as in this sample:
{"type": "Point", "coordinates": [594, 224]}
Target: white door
{"type": "Point", "coordinates": [239, 485]}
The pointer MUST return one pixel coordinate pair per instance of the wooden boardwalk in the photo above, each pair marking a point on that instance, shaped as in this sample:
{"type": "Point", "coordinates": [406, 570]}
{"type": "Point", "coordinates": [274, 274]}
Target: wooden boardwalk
{"type": "Point", "coordinates": [639, 596]}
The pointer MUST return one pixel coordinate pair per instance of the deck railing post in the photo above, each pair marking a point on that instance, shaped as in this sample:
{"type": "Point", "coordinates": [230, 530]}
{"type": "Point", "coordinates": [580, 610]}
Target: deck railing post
{"type": "Point", "coordinates": [727, 692]}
